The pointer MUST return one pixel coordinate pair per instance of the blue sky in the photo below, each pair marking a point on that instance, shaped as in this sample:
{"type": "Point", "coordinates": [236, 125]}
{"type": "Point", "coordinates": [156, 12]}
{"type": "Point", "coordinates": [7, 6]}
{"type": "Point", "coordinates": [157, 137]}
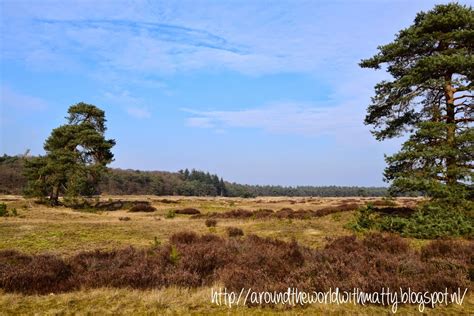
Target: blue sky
{"type": "Point", "coordinates": [260, 92]}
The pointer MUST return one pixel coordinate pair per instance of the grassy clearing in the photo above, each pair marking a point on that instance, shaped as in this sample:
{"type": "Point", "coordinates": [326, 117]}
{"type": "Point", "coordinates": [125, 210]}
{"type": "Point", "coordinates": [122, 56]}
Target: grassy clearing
{"type": "Point", "coordinates": [39, 228]}
{"type": "Point", "coordinates": [73, 236]}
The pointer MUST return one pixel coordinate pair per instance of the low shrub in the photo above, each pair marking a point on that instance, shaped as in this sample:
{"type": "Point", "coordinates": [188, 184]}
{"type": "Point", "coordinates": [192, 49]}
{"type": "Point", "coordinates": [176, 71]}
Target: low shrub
{"type": "Point", "coordinates": [263, 213]}
{"type": "Point", "coordinates": [344, 207]}
{"type": "Point", "coordinates": [190, 260]}
{"type": "Point", "coordinates": [109, 206]}
{"type": "Point", "coordinates": [156, 242]}
{"type": "Point", "coordinates": [124, 218]}
{"type": "Point", "coordinates": [33, 274]}
{"type": "Point", "coordinates": [402, 211]}
{"type": "Point", "coordinates": [430, 223]}
{"type": "Point", "coordinates": [142, 207]}
{"type": "Point", "coordinates": [77, 203]}
{"type": "Point", "coordinates": [4, 212]}
{"type": "Point", "coordinates": [234, 232]}
{"type": "Point", "coordinates": [427, 223]}
{"type": "Point", "coordinates": [366, 219]}
{"type": "Point", "coordinates": [211, 222]}
{"type": "Point", "coordinates": [449, 249]}
{"type": "Point", "coordinates": [188, 211]}
{"type": "Point", "coordinates": [92, 205]}
{"type": "Point", "coordinates": [128, 267]}
{"type": "Point", "coordinates": [239, 213]}
{"type": "Point", "coordinates": [170, 214]}
{"type": "Point", "coordinates": [284, 213]}
{"type": "Point", "coordinates": [184, 238]}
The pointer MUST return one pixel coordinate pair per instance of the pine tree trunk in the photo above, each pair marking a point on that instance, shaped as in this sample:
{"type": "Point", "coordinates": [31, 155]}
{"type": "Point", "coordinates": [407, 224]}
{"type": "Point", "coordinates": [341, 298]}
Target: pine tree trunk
{"type": "Point", "coordinates": [54, 197]}
{"type": "Point", "coordinates": [450, 131]}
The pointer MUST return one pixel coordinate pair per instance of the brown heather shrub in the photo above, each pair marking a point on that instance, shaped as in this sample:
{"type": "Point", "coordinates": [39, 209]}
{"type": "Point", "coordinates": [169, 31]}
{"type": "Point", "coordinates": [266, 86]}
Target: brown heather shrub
{"type": "Point", "coordinates": [376, 262]}
{"type": "Point", "coordinates": [392, 243]}
{"type": "Point", "coordinates": [457, 251]}
{"type": "Point", "coordinates": [127, 267]}
{"type": "Point", "coordinates": [184, 238]}
{"type": "Point", "coordinates": [142, 207]}
{"type": "Point", "coordinates": [33, 274]}
{"type": "Point", "coordinates": [188, 211]}
{"type": "Point", "coordinates": [303, 214]}
{"type": "Point", "coordinates": [234, 232]}
{"type": "Point", "coordinates": [211, 222]}
{"type": "Point", "coordinates": [263, 213]}
{"type": "Point", "coordinates": [103, 206]}
{"type": "Point", "coordinates": [262, 264]}
{"type": "Point", "coordinates": [239, 213]}
{"type": "Point", "coordinates": [290, 214]}
{"type": "Point", "coordinates": [192, 260]}
{"type": "Point", "coordinates": [344, 207]}
{"type": "Point", "coordinates": [284, 213]}
{"type": "Point", "coordinates": [201, 259]}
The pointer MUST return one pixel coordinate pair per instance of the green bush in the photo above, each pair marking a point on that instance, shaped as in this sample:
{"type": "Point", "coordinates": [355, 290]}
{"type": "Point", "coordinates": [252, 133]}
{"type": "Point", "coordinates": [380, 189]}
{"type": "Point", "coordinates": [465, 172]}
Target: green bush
{"type": "Point", "coordinates": [4, 211]}
{"type": "Point", "coordinates": [174, 255]}
{"type": "Point", "coordinates": [170, 214]}
{"type": "Point", "coordinates": [156, 243]}
{"type": "Point", "coordinates": [366, 219]}
{"type": "Point", "coordinates": [430, 221]}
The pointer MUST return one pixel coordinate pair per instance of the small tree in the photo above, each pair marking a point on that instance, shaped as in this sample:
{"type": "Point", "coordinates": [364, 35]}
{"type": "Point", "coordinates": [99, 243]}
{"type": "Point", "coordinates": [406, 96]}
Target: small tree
{"type": "Point", "coordinates": [430, 97]}
{"type": "Point", "coordinates": [76, 155]}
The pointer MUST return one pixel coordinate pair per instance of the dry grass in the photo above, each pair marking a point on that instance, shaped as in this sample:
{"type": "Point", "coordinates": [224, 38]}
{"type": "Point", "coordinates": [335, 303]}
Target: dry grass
{"type": "Point", "coordinates": [61, 230]}
{"type": "Point", "coordinates": [182, 301]}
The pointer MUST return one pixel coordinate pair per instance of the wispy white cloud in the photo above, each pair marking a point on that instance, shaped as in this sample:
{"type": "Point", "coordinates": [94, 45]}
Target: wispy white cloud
{"type": "Point", "coordinates": [204, 121]}
{"type": "Point", "coordinates": [14, 99]}
{"type": "Point", "coordinates": [132, 105]}
{"type": "Point", "coordinates": [284, 118]}
{"type": "Point", "coordinates": [166, 37]}
{"type": "Point", "coordinates": [139, 112]}
{"type": "Point", "coordinates": [159, 31]}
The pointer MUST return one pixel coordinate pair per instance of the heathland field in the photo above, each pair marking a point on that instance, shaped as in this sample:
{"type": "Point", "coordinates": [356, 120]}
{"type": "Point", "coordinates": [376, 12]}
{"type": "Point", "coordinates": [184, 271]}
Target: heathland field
{"type": "Point", "coordinates": [156, 255]}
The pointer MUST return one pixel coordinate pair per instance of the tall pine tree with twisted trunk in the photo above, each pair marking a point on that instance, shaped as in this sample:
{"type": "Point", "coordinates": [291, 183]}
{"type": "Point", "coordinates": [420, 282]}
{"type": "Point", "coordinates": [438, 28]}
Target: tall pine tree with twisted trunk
{"type": "Point", "coordinates": [77, 153]}
{"type": "Point", "coordinates": [430, 98]}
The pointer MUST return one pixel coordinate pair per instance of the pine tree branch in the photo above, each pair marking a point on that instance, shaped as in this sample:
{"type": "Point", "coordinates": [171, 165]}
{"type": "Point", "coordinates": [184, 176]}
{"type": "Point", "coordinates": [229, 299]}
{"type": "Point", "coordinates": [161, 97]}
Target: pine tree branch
{"type": "Point", "coordinates": [463, 97]}
{"type": "Point", "coordinates": [465, 120]}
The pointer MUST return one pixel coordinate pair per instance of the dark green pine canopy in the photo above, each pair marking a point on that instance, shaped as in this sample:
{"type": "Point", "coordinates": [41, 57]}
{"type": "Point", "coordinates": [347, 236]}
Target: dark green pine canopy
{"type": "Point", "coordinates": [76, 155]}
{"type": "Point", "coordinates": [431, 99]}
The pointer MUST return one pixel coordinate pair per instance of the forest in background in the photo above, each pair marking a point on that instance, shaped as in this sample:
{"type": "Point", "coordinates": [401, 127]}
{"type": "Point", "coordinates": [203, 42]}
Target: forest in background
{"type": "Point", "coordinates": [184, 182]}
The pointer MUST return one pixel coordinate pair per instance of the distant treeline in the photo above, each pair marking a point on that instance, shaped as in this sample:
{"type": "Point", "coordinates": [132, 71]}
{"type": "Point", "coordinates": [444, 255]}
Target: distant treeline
{"type": "Point", "coordinates": [183, 182]}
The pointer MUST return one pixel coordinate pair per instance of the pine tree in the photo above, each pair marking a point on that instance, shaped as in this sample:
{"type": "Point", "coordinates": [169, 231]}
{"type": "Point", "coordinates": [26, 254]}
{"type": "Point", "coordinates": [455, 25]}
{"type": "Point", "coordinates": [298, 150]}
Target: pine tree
{"type": "Point", "coordinates": [223, 189]}
{"type": "Point", "coordinates": [76, 155]}
{"type": "Point", "coordinates": [430, 98]}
